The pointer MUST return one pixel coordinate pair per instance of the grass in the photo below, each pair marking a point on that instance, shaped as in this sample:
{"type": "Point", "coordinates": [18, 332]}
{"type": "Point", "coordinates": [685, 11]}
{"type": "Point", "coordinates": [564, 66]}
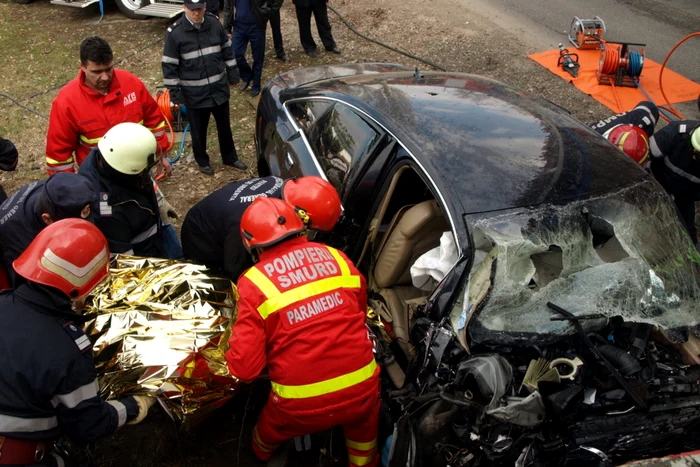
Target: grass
{"type": "Point", "coordinates": [40, 52]}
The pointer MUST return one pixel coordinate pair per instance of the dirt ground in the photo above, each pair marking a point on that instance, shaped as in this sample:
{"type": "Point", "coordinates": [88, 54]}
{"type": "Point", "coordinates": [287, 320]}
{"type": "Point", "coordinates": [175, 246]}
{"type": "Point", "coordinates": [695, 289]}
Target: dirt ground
{"type": "Point", "coordinates": [40, 52]}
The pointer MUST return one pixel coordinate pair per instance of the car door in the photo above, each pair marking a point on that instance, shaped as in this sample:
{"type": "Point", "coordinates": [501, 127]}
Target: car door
{"type": "Point", "coordinates": [358, 198]}
{"type": "Point", "coordinates": [296, 157]}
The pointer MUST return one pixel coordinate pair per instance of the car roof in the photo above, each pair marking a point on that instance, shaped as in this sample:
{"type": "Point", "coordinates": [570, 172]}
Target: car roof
{"type": "Point", "coordinates": [487, 144]}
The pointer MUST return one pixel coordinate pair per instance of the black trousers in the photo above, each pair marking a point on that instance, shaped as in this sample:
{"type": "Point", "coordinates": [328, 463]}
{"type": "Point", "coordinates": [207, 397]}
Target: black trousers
{"type": "Point", "coordinates": [320, 13]}
{"type": "Point", "coordinates": [276, 26]}
{"type": "Point", "coordinates": [199, 122]}
{"type": "Point", "coordinates": [242, 35]}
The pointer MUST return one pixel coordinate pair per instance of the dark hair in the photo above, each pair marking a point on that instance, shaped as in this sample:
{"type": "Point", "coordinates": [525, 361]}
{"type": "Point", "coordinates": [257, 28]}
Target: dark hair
{"type": "Point", "coordinates": [95, 49]}
{"type": "Point", "coordinates": [44, 203]}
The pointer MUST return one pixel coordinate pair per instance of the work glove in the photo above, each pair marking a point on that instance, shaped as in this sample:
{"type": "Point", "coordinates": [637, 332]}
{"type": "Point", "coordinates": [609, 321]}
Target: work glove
{"type": "Point", "coordinates": [144, 403]}
{"type": "Point", "coordinates": [167, 212]}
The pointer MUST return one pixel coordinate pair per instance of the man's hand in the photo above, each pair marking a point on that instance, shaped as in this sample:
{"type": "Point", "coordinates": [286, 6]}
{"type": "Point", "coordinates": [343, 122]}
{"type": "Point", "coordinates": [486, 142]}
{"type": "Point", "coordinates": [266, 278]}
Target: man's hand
{"type": "Point", "coordinates": [165, 166]}
{"type": "Point", "coordinates": [144, 403]}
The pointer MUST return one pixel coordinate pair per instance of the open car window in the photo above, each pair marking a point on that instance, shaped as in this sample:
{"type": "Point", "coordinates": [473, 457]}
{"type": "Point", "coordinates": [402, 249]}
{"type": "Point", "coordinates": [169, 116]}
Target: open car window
{"type": "Point", "coordinates": [339, 138]}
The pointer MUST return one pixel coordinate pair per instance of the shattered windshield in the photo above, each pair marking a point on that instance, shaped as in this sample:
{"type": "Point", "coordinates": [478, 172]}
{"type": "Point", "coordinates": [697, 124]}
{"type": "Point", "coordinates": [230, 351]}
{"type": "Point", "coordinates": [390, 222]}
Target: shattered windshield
{"type": "Point", "coordinates": [620, 254]}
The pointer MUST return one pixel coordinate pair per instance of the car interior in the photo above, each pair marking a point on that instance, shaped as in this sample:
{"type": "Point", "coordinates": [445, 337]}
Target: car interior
{"type": "Point", "coordinates": [407, 224]}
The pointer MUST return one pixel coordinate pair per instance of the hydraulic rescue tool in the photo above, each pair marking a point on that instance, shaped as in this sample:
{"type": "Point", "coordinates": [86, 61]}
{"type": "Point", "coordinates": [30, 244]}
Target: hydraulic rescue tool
{"type": "Point", "coordinates": [568, 61]}
{"type": "Point", "coordinates": [620, 66]}
{"type": "Point", "coordinates": [587, 33]}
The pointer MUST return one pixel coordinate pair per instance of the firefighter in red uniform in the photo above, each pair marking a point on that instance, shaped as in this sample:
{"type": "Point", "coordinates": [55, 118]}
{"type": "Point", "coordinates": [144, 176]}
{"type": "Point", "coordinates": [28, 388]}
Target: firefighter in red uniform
{"type": "Point", "coordinates": [98, 99]}
{"type": "Point", "coordinates": [301, 313]}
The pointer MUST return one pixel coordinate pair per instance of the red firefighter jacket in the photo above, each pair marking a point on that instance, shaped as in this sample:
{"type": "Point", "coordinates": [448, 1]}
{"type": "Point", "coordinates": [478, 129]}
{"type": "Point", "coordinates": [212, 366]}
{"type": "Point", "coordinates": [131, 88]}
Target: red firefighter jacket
{"type": "Point", "coordinates": [81, 116]}
{"type": "Point", "coordinates": [301, 312]}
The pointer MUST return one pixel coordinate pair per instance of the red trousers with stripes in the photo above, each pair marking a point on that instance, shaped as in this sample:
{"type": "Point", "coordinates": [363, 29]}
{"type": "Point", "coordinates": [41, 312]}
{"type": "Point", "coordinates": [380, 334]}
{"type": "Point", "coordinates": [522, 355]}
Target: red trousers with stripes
{"type": "Point", "coordinates": [360, 422]}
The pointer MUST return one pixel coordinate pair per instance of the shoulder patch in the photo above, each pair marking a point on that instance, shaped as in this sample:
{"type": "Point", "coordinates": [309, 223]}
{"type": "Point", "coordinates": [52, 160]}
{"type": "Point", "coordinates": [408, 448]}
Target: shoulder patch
{"type": "Point", "coordinates": [78, 336]}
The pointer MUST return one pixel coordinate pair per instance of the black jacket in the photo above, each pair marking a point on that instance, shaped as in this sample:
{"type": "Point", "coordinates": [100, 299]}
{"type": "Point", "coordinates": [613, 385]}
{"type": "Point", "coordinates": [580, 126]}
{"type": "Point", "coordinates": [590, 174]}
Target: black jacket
{"type": "Point", "coordinates": [48, 381]}
{"type": "Point", "coordinates": [20, 222]}
{"type": "Point", "coordinates": [644, 115]}
{"type": "Point", "coordinates": [673, 161]}
{"type": "Point", "coordinates": [8, 161]}
{"type": "Point", "coordinates": [129, 218]}
{"type": "Point", "coordinates": [211, 229]}
{"type": "Point", "coordinates": [198, 64]}
{"type": "Point", "coordinates": [262, 10]}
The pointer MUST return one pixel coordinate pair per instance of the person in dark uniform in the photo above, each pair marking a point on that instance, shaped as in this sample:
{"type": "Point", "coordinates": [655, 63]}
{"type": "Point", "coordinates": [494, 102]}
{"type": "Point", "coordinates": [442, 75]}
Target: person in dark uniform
{"type": "Point", "coordinates": [198, 68]}
{"type": "Point", "coordinates": [48, 382]}
{"type": "Point", "coordinates": [8, 161]}
{"type": "Point", "coordinates": [128, 211]}
{"type": "Point", "coordinates": [249, 22]}
{"type": "Point", "coordinates": [319, 10]}
{"type": "Point", "coordinates": [277, 40]}
{"type": "Point", "coordinates": [211, 229]}
{"type": "Point", "coordinates": [644, 115]}
{"type": "Point", "coordinates": [263, 11]}
{"type": "Point", "coordinates": [675, 163]}
{"type": "Point", "coordinates": [34, 206]}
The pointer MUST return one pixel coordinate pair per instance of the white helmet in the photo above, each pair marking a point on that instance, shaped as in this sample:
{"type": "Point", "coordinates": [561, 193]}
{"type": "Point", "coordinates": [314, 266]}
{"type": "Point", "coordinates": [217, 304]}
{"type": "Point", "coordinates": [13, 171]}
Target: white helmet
{"type": "Point", "coordinates": [127, 148]}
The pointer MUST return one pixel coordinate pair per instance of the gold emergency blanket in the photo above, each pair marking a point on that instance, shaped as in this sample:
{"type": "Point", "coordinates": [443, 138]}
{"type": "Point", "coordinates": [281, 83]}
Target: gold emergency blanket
{"type": "Point", "coordinates": [161, 327]}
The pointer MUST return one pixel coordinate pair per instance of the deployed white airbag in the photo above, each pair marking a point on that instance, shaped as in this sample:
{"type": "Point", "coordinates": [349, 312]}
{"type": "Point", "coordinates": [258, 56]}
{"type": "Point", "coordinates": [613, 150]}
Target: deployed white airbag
{"type": "Point", "coordinates": [430, 268]}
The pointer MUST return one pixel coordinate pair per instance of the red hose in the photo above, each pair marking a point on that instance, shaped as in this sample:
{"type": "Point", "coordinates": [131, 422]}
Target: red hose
{"type": "Point", "coordinates": [163, 101]}
{"type": "Point", "coordinates": [661, 74]}
{"type": "Point", "coordinates": [611, 59]}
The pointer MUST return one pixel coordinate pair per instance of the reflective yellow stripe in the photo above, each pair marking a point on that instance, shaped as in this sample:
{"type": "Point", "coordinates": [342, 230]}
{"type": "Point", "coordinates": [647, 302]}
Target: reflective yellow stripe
{"type": "Point", "coordinates": [160, 125]}
{"type": "Point", "coordinates": [344, 268]}
{"type": "Point", "coordinates": [259, 442]}
{"type": "Point", "coordinates": [361, 446]}
{"type": "Point", "coordinates": [85, 140]}
{"type": "Point", "coordinates": [55, 162]}
{"type": "Point", "coordinates": [361, 460]}
{"type": "Point", "coordinates": [284, 299]}
{"type": "Point", "coordinates": [58, 168]}
{"type": "Point", "coordinates": [325, 387]}
{"type": "Point", "coordinates": [266, 286]}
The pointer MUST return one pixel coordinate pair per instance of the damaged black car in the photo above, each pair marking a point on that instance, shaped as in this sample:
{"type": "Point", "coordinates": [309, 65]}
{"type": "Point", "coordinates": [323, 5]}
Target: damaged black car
{"type": "Point", "coordinates": [534, 297]}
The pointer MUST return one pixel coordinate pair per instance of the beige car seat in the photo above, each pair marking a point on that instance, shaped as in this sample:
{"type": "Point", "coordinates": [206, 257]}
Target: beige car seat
{"type": "Point", "coordinates": [414, 230]}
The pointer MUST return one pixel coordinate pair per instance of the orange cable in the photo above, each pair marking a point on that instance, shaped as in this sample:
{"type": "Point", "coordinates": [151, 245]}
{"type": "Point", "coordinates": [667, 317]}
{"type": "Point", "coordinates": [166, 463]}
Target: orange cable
{"type": "Point", "coordinates": [163, 101]}
{"type": "Point", "coordinates": [661, 73]}
{"type": "Point", "coordinates": [617, 98]}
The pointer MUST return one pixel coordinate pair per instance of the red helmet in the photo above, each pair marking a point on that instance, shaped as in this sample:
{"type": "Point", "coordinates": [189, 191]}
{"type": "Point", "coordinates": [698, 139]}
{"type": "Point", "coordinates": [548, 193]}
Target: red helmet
{"type": "Point", "coordinates": [317, 198]}
{"type": "Point", "coordinates": [71, 255]}
{"type": "Point", "coordinates": [631, 140]}
{"type": "Point", "coordinates": [268, 221]}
